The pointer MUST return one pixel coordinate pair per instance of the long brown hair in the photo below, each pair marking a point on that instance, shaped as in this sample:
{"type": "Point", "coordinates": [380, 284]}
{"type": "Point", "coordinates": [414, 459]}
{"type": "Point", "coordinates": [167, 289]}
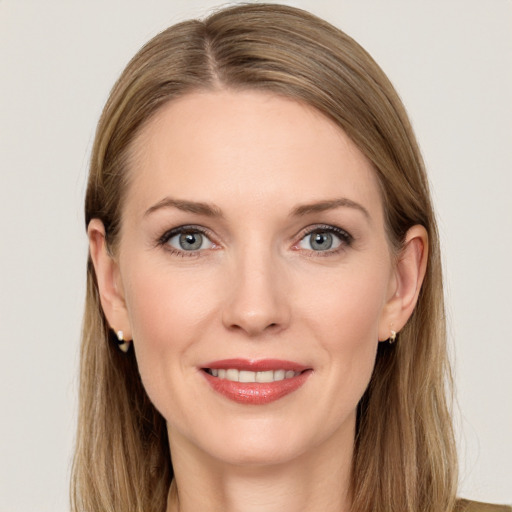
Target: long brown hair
{"type": "Point", "coordinates": [404, 456]}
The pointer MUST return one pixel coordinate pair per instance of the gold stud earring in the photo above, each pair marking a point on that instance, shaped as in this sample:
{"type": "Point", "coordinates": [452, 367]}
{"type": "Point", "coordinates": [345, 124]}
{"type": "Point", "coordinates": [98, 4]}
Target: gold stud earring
{"type": "Point", "coordinates": [123, 344]}
{"type": "Point", "coordinates": [392, 337]}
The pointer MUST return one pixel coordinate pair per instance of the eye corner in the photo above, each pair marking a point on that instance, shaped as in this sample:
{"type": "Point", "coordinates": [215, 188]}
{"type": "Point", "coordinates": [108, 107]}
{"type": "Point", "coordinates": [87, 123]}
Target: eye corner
{"type": "Point", "coordinates": [335, 238]}
{"type": "Point", "coordinates": [173, 240]}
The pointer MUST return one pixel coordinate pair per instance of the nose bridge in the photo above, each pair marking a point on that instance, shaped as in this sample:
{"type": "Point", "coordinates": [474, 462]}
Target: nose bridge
{"type": "Point", "coordinates": [257, 301]}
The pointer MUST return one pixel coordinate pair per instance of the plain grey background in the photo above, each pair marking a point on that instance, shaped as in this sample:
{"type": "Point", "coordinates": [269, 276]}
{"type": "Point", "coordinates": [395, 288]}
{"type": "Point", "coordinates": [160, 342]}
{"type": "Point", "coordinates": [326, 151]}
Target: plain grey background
{"type": "Point", "coordinates": [451, 62]}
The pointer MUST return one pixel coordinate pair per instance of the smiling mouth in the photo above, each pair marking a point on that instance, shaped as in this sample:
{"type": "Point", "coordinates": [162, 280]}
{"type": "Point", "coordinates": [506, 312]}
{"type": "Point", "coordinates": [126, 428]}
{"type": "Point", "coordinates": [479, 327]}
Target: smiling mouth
{"type": "Point", "coordinates": [235, 375]}
{"type": "Point", "coordinates": [255, 382]}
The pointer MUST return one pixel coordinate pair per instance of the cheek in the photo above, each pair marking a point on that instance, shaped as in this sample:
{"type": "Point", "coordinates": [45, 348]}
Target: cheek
{"type": "Point", "coordinates": [164, 304]}
{"type": "Point", "coordinates": [165, 309]}
{"type": "Point", "coordinates": [349, 305]}
{"type": "Point", "coordinates": [344, 319]}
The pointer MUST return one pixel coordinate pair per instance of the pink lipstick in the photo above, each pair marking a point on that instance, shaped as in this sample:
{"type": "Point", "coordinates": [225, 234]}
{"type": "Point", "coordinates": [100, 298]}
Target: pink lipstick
{"type": "Point", "coordinates": [255, 382]}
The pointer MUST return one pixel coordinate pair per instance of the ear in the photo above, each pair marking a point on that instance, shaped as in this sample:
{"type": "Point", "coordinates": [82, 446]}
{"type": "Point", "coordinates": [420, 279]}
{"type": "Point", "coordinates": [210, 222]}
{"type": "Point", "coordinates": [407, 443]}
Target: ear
{"type": "Point", "coordinates": [109, 280]}
{"type": "Point", "coordinates": [406, 283]}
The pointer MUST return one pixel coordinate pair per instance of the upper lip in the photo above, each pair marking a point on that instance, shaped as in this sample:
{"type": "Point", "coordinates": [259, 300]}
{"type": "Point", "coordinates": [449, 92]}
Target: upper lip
{"type": "Point", "coordinates": [256, 365]}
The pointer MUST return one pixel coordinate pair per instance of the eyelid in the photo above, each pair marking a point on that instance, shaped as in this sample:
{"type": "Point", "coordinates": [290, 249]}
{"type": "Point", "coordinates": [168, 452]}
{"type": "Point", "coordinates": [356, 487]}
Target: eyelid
{"type": "Point", "coordinates": [345, 237]}
{"type": "Point", "coordinates": [163, 240]}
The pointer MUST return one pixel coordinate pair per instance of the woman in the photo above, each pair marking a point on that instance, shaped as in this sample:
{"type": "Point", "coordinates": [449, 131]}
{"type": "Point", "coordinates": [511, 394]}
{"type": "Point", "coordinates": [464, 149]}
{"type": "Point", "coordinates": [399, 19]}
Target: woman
{"type": "Point", "coordinates": [264, 326]}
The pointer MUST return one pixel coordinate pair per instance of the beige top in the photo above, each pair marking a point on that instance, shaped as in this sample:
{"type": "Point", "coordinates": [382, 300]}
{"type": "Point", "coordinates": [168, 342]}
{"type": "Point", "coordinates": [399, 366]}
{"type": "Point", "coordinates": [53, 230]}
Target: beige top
{"type": "Point", "coordinates": [476, 506]}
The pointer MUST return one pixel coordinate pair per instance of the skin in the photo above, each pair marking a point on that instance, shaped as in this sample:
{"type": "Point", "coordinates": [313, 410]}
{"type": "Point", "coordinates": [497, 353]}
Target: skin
{"type": "Point", "coordinates": [256, 289]}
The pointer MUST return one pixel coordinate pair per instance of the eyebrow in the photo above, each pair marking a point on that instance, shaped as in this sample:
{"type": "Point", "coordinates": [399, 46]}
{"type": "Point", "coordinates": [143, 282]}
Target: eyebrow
{"type": "Point", "coordinates": [210, 210]}
{"type": "Point", "coordinates": [330, 204]}
{"type": "Point", "coordinates": [206, 209]}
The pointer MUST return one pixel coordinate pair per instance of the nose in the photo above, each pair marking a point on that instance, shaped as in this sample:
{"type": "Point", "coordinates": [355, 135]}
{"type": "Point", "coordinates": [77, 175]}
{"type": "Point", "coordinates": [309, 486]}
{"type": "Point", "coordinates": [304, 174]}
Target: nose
{"type": "Point", "coordinates": [257, 302]}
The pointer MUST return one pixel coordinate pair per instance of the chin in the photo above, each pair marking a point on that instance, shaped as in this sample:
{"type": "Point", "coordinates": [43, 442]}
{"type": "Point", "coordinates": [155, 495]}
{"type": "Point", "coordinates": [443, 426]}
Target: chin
{"type": "Point", "coordinates": [254, 453]}
{"type": "Point", "coordinates": [264, 442]}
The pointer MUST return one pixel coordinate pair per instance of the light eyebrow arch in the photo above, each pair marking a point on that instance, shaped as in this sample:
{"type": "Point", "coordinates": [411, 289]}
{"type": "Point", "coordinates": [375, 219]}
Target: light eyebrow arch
{"type": "Point", "coordinates": [199, 208]}
{"type": "Point", "coordinates": [330, 204]}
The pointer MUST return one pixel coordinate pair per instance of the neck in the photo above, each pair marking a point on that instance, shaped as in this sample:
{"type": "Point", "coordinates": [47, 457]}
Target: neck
{"type": "Point", "coordinates": [319, 481]}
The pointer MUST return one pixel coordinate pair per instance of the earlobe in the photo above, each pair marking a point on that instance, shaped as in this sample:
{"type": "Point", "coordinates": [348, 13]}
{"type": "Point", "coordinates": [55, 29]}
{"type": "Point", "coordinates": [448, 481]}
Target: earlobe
{"type": "Point", "coordinates": [408, 277]}
{"type": "Point", "coordinates": [108, 278]}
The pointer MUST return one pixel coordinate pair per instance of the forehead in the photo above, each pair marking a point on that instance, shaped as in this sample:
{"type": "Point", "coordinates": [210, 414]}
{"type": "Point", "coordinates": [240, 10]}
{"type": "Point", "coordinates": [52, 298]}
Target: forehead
{"type": "Point", "coordinates": [249, 146]}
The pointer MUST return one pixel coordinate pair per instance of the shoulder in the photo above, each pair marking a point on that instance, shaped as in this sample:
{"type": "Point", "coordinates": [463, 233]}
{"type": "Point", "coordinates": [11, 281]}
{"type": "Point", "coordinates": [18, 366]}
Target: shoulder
{"type": "Point", "coordinates": [477, 506]}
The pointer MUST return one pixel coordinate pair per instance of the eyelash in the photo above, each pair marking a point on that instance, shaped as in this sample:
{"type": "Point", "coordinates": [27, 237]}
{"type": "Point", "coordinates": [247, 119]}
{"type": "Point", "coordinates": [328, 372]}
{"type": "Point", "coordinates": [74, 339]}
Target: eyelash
{"type": "Point", "coordinates": [345, 238]}
{"type": "Point", "coordinates": [180, 230]}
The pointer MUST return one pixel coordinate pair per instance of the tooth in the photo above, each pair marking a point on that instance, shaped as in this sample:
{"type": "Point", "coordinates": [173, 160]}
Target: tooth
{"type": "Point", "coordinates": [235, 375]}
{"type": "Point", "coordinates": [246, 376]}
{"type": "Point", "coordinates": [265, 376]}
{"type": "Point", "coordinates": [279, 374]}
{"type": "Point", "coordinates": [232, 374]}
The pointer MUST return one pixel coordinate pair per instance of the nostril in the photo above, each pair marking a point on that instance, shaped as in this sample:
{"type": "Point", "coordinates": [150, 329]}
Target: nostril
{"type": "Point", "coordinates": [254, 329]}
{"type": "Point", "coordinates": [255, 314]}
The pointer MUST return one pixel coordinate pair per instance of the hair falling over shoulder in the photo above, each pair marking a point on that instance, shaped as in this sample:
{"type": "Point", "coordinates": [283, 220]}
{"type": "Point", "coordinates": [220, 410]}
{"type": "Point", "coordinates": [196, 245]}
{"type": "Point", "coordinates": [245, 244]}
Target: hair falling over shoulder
{"type": "Point", "coordinates": [405, 457]}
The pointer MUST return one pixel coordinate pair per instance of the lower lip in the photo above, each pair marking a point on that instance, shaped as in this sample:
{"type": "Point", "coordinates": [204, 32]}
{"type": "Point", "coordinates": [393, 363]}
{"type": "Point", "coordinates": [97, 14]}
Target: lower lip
{"type": "Point", "coordinates": [256, 393]}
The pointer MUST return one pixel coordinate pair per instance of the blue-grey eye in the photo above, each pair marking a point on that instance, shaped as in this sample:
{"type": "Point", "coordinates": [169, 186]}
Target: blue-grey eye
{"type": "Point", "coordinates": [190, 241]}
{"type": "Point", "coordinates": [320, 240]}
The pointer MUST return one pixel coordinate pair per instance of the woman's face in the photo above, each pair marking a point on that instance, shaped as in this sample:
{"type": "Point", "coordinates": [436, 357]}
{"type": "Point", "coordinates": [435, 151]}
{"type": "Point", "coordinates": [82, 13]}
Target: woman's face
{"type": "Point", "coordinates": [253, 247]}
